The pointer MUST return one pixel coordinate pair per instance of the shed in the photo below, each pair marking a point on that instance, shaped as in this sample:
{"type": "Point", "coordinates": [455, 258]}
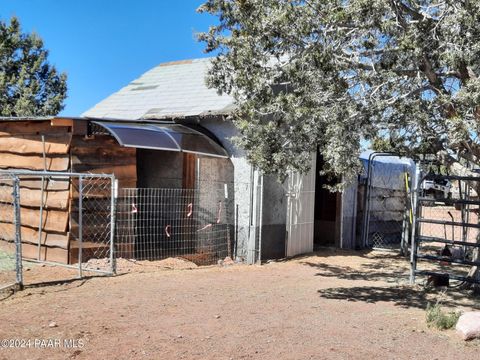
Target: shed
{"type": "Point", "coordinates": [168, 133]}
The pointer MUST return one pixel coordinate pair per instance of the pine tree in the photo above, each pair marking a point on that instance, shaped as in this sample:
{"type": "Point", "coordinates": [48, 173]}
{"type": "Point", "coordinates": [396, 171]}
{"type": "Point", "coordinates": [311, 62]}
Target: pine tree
{"type": "Point", "coordinates": [29, 85]}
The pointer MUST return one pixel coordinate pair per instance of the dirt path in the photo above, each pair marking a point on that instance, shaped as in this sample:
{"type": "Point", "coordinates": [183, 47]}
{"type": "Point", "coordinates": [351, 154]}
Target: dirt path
{"type": "Point", "coordinates": [333, 305]}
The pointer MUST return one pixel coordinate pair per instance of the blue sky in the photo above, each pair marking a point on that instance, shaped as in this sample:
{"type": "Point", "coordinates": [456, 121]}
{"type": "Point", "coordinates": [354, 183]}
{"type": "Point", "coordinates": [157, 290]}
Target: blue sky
{"type": "Point", "coordinates": [102, 45]}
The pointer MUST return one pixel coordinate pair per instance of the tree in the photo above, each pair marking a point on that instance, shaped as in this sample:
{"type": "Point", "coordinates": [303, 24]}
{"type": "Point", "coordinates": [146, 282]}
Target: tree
{"type": "Point", "coordinates": [331, 73]}
{"type": "Point", "coordinates": [29, 85]}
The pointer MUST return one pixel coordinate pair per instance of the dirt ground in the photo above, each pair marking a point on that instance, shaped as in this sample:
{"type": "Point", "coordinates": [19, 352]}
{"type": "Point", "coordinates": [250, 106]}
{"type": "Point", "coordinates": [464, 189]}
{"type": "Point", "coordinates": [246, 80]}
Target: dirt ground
{"type": "Point", "coordinates": [329, 305]}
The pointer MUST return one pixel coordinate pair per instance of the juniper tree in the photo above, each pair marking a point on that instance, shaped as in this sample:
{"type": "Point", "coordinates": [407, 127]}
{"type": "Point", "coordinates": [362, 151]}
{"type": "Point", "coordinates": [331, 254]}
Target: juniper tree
{"type": "Point", "coordinates": [331, 73]}
{"type": "Point", "coordinates": [29, 85]}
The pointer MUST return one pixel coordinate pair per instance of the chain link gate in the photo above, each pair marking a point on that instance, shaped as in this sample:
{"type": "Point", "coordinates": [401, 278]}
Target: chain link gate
{"type": "Point", "coordinates": [10, 235]}
{"type": "Point", "coordinates": [67, 220]}
{"type": "Point", "coordinates": [387, 213]}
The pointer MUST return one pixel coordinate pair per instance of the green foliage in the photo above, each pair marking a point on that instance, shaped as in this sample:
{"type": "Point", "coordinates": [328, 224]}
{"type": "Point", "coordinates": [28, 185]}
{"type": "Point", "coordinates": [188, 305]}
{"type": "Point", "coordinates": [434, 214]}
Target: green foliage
{"type": "Point", "coordinates": [29, 85]}
{"type": "Point", "coordinates": [330, 74]}
{"type": "Point", "coordinates": [439, 319]}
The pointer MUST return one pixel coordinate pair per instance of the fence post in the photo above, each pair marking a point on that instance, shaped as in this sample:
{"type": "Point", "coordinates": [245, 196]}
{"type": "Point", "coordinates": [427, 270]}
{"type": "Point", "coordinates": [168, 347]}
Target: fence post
{"type": "Point", "coordinates": [415, 205]}
{"type": "Point", "coordinates": [18, 233]}
{"type": "Point", "coordinates": [80, 224]}
{"type": "Point", "coordinates": [113, 264]}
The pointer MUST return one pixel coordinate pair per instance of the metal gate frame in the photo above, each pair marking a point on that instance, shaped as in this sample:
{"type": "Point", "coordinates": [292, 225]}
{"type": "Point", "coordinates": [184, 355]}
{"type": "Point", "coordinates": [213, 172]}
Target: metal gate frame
{"type": "Point", "coordinates": [42, 175]}
{"type": "Point", "coordinates": [18, 238]}
{"type": "Point", "coordinates": [418, 239]}
{"type": "Point", "coordinates": [367, 208]}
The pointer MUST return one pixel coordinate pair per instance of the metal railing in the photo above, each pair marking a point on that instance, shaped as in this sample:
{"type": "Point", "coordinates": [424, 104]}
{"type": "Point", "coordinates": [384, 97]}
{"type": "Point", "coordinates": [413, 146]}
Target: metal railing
{"type": "Point", "coordinates": [446, 229]}
{"type": "Point", "coordinates": [69, 219]}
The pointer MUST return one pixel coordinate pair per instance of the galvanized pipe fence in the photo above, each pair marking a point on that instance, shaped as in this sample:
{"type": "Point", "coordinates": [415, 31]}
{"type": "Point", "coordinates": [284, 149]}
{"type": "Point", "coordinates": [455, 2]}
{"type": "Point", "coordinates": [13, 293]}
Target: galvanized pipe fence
{"type": "Point", "coordinates": [445, 242]}
{"type": "Point", "coordinates": [84, 222]}
{"type": "Point", "coordinates": [63, 219]}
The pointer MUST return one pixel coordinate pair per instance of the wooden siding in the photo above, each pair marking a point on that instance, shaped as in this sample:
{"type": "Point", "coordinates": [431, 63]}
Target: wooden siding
{"type": "Point", "coordinates": [67, 148]}
{"type": "Point", "coordinates": [21, 147]}
{"type": "Point", "coordinates": [99, 154]}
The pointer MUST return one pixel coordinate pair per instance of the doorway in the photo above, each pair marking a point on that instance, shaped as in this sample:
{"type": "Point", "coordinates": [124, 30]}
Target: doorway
{"type": "Point", "coordinates": [327, 209]}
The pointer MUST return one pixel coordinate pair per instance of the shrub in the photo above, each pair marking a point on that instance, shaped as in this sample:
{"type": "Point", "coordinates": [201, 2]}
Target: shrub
{"type": "Point", "coordinates": [440, 319]}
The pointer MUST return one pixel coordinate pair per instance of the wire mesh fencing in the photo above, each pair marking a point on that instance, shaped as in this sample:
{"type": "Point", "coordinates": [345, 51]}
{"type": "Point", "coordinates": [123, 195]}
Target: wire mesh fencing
{"type": "Point", "coordinates": [67, 220]}
{"type": "Point", "coordinates": [157, 223]}
{"type": "Point", "coordinates": [10, 241]}
{"type": "Point", "coordinates": [92, 222]}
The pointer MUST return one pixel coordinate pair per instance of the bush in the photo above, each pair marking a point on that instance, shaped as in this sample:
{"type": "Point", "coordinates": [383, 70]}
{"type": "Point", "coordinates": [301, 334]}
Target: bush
{"type": "Point", "coordinates": [439, 319]}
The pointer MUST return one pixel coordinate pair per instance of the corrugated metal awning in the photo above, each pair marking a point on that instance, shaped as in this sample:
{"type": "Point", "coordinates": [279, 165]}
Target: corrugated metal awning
{"type": "Point", "coordinates": [168, 137]}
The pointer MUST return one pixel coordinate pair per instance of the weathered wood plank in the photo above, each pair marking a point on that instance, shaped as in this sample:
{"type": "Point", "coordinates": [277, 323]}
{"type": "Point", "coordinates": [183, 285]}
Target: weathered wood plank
{"type": "Point", "coordinates": [32, 198]}
{"type": "Point", "coordinates": [31, 127]}
{"type": "Point", "coordinates": [61, 122]}
{"type": "Point", "coordinates": [95, 161]}
{"type": "Point", "coordinates": [30, 236]}
{"type": "Point", "coordinates": [52, 220]}
{"type": "Point", "coordinates": [16, 161]}
{"type": "Point", "coordinates": [53, 254]}
{"type": "Point", "coordinates": [32, 144]}
{"type": "Point", "coordinates": [120, 172]}
{"type": "Point", "coordinates": [50, 184]}
{"type": "Point", "coordinates": [100, 146]}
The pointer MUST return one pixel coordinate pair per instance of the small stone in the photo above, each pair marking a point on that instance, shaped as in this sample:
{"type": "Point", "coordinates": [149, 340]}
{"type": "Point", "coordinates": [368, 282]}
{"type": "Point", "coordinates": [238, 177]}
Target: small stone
{"type": "Point", "coordinates": [228, 261]}
{"type": "Point", "coordinates": [217, 316]}
{"type": "Point", "coordinates": [179, 336]}
{"type": "Point", "coordinates": [52, 324]}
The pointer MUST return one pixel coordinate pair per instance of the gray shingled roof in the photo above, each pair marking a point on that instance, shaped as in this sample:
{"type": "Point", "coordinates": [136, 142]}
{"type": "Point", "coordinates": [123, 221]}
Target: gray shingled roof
{"type": "Point", "coordinates": [170, 90]}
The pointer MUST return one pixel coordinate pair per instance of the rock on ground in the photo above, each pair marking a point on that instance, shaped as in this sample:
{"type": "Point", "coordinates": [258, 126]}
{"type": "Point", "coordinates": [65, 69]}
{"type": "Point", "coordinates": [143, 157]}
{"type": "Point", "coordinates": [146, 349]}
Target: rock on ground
{"type": "Point", "coordinates": [468, 325]}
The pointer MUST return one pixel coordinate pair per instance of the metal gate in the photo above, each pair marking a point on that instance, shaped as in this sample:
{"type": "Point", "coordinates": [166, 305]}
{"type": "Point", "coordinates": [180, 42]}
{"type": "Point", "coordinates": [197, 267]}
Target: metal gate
{"type": "Point", "coordinates": [300, 211]}
{"type": "Point", "coordinates": [10, 236]}
{"type": "Point", "coordinates": [67, 219]}
{"type": "Point", "coordinates": [446, 228]}
{"type": "Point", "coordinates": [386, 206]}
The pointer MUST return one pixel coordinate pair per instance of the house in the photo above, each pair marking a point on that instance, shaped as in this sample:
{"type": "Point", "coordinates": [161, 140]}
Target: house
{"type": "Point", "coordinates": [167, 131]}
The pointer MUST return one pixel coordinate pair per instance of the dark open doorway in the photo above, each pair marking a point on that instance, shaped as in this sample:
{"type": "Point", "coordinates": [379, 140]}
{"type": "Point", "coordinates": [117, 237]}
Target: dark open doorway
{"type": "Point", "coordinates": [327, 210]}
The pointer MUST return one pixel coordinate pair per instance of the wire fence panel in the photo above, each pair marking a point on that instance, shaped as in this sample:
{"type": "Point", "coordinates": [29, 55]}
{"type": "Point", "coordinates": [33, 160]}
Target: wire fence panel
{"type": "Point", "coordinates": [10, 241]}
{"type": "Point", "coordinates": [67, 219]}
{"type": "Point", "coordinates": [156, 223]}
{"type": "Point", "coordinates": [92, 223]}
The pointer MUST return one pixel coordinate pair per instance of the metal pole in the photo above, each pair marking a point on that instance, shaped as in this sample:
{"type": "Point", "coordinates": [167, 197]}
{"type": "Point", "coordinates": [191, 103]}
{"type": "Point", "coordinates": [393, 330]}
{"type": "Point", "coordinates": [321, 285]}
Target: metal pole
{"type": "Point", "coordinates": [80, 224]}
{"type": "Point", "coordinates": [413, 250]}
{"type": "Point", "coordinates": [260, 221]}
{"type": "Point", "coordinates": [18, 233]}
{"type": "Point", "coordinates": [40, 226]}
{"type": "Point", "coordinates": [113, 264]}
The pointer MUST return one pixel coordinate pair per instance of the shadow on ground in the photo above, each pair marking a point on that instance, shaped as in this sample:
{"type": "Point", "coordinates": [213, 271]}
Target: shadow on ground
{"type": "Point", "coordinates": [386, 275]}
